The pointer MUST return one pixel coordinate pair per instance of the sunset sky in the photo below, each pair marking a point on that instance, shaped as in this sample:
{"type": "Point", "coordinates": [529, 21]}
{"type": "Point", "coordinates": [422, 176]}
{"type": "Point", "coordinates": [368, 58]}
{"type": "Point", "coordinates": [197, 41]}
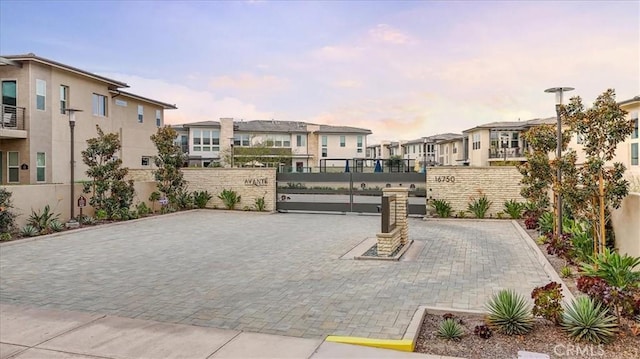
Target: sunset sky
{"type": "Point", "coordinates": [402, 69]}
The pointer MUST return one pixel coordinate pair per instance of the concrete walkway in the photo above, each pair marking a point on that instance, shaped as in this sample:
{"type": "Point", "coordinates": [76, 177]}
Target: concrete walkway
{"type": "Point", "coordinates": [267, 273]}
{"type": "Point", "coordinates": [28, 333]}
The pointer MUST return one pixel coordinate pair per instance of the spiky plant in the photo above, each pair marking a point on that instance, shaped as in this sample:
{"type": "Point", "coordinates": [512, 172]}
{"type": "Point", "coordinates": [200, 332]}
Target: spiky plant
{"type": "Point", "coordinates": [566, 272]}
{"type": "Point", "coordinates": [509, 313]}
{"type": "Point", "coordinates": [450, 329]}
{"type": "Point", "coordinates": [29, 231]}
{"type": "Point", "coordinates": [587, 320]}
{"type": "Point", "coordinates": [483, 331]}
{"type": "Point", "coordinates": [56, 225]}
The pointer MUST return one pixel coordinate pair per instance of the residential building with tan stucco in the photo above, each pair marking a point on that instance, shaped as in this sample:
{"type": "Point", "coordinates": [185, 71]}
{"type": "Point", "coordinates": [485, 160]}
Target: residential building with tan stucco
{"type": "Point", "coordinates": [35, 137]}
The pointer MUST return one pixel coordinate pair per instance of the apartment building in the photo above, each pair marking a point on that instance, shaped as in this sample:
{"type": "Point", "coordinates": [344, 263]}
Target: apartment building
{"type": "Point", "coordinates": [289, 145]}
{"type": "Point", "coordinates": [441, 149]}
{"type": "Point", "coordinates": [35, 136]}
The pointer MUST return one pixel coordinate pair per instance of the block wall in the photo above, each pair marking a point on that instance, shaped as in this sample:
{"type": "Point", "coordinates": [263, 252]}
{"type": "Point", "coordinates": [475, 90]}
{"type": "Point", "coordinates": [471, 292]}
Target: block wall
{"type": "Point", "coordinates": [458, 185]}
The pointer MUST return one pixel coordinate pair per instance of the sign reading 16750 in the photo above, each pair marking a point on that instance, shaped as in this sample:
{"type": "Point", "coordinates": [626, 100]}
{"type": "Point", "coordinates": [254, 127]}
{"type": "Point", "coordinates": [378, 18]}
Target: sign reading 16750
{"type": "Point", "coordinates": [448, 179]}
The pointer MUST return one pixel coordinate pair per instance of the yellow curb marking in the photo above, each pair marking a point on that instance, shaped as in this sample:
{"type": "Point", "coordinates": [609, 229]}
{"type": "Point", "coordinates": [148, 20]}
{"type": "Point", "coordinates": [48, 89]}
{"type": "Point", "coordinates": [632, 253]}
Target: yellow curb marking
{"type": "Point", "coordinates": [402, 344]}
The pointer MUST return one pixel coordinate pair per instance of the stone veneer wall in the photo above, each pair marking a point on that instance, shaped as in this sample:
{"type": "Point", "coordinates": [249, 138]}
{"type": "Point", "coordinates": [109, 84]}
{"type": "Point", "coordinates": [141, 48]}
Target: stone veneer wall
{"type": "Point", "coordinates": [458, 185]}
{"type": "Point", "coordinates": [249, 183]}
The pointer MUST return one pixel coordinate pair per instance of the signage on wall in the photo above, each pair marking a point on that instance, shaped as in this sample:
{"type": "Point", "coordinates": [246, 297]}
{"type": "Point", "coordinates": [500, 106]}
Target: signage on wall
{"type": "Point", "coordinates": [24, 166]}
{"type": "Point", "coordinates": [258, 182]}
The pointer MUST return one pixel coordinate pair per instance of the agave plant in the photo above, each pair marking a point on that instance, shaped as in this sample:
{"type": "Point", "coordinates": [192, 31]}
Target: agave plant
{"type": "Point", "coordinates": [587, 320]}
{"type": "Point", "coordinates": [56, 226]}
{"type": "Point", "coordinates": [509, 313]}
{"type": "Point", "coordinates": [443, 208]}
{"type": "Point", "coordinates": [29, 231]}
{"type": "Point", "coordinates": [450, 329]}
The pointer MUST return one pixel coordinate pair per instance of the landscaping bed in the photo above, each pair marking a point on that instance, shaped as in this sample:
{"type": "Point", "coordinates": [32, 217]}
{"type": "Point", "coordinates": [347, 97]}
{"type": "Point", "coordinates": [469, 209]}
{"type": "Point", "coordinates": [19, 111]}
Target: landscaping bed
{"type": "Point", "coordinates": [545, 337]}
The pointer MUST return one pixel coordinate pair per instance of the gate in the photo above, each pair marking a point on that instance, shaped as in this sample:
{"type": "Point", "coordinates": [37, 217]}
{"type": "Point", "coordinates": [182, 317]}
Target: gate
{"type": "Point", "coordinates": [346, 192]}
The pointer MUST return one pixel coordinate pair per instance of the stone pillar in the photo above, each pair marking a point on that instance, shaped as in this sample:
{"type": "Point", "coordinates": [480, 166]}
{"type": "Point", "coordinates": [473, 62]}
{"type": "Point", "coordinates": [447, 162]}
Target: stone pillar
{"type": "Point", "coordinates": [402, 197]}
{"type": "Point", "coordinates": [226, 136]}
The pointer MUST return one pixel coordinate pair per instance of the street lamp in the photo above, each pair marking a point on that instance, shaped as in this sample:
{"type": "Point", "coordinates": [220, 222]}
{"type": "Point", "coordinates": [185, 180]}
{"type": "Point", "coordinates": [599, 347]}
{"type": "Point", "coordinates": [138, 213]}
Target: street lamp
{"type": "Point", "coordinates": [559, 91]}
{"type": "Point", "coordinates": [424, 153]}
{"type": "Point", "coordinates": [72, 124]}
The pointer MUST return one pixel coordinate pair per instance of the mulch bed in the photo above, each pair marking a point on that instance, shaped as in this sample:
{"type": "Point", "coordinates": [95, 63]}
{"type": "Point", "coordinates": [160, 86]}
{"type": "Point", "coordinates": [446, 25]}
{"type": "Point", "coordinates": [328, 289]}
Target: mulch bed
{"type": "Point", "coordinates": [544, 338]}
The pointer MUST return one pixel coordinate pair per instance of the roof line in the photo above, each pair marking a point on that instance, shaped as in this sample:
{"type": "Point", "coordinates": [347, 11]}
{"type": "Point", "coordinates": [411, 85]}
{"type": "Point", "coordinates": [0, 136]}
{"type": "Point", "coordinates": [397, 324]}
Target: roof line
{"type": "Point", "coordinates": [165, 105]}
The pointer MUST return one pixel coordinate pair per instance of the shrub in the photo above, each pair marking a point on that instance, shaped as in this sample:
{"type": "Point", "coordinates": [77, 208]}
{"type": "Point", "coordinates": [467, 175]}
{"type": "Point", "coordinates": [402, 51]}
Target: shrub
{"type": "Point", "coordinates": [514, 208]}
{"type": "Point", "coordinates": [618, 271]}
{"type": "Point", "coordinates": [587, 320]}
{"type": "Point", "coordinates": [548, 302]}
{"type": "Point", "coordinates": [142, 209]}
{"type": "Point", "coordinates": [566, 272]}
{"type": "Point", "coordinates": [560, 246]}
{"type": "Point", "coordinates": [545, 222]}
{"type": "Point", "coordinates": [230, 198]}
{"type": "Point", "coordinates": [29, 231]}
{"type": "Point", "coordinates": [7, 217]}
{"type": "Point", "coordinates": [531, 222]}
{"type": "Point", "coordinates": [479, 206]}
{"type": "Point", "coordinates": [620, 301]}
{"type": "Point", "coordinates": [509, 313]}
{"type": "Point", "coordinates": [462, 214]}
{"type": "Point", "coordinates": [41, 220]}
{"type": "Point", "coordinates": [260, 204]}
{"type": "Point", "coordinates": [201, 198]}
{"type": "Point", "coordinates": [101, 214]}
{"type": "Point", "coordinates": [483, 331]}
{"type": "Point", "coordinates": [56, 225]}
{"type": "Point", "coordinates": [182, 199]}
{"type": "Point", "coordinates": [443, 208]}
{"type": "Point", "coordinates": [450, 329]}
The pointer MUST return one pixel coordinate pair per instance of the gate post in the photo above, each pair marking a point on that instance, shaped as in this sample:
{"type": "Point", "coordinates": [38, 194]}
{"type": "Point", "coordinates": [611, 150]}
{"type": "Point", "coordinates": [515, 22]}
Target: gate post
{"type": "Point", "coordinates": [402, 198]}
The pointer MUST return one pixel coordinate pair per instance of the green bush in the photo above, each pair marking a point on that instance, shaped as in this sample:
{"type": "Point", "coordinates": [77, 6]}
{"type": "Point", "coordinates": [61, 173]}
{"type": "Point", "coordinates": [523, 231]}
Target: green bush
{"type": "Point", "coordinates": [41, 220]}
{"type": "Point", "coordinates": [545, 222]}
{"type": "Point", "coordinates": [618, 271]}
{"type": "Point", "coordinates": [230, 198]}
{"type": "Point", "coordinates": [260, 204]}
{"type": "Point", "coordinates": [509, 313]}
{"type": "Point", "coordinates": [514, 208]}
{"type": "Point", "coordinates": [450, 329]}
{"type": "Point", "coordinates": [142, 209]}
{"type": "Point", "coordinates": [7, 217]}
{"type": "Point", "coordinates": [587, 320]}
{"type": "Point", "coordinates": [56, 225]}
{"type": "Point", "coordinates": [443, 208]}
{"type": "Point", "coordinates": [101, 214]}
{"type": "Point", "coordinates": [479, 206]}
{"type": "Point", "coordinates": [201, 198]}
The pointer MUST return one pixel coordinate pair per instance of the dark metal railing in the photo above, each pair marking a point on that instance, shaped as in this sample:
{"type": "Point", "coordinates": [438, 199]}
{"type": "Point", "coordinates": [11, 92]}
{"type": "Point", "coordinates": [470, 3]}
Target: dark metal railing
{"type": "Point", "coordinates": [509, 152]}
{"type": "Point", "coordinates": [12, 117]}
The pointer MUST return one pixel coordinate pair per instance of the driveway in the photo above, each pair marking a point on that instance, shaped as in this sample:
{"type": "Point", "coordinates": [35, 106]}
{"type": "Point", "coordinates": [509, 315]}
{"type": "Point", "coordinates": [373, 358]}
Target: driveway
{"type": "Point", "coordinates": [267, 273]}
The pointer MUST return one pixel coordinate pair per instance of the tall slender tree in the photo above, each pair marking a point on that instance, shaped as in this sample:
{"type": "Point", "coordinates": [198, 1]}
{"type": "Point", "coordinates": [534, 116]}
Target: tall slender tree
{"type": "Point", "coordinates": [169, 178]}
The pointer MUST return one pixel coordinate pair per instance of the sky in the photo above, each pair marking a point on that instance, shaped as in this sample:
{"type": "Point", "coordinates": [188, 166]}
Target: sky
{"type": "Point", "coordinates": [402, 69]}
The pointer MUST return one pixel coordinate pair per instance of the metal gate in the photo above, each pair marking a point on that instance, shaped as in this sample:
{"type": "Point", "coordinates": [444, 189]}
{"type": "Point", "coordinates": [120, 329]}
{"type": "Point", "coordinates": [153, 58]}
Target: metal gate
{"type": "Point", "coordinates": [346, 192]}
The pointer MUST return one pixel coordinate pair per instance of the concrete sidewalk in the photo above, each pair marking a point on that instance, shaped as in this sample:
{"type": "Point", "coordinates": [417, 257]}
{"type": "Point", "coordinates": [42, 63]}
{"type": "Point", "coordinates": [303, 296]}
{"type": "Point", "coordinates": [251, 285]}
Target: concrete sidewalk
{"type": "Point", "coordinates": [27, 332]}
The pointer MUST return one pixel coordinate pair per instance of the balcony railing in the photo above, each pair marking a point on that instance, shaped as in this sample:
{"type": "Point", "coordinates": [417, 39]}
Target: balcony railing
{"type": "Point", "coordinates": [509, 152]}
{"type": "Point", "coordinates": [12, 117]}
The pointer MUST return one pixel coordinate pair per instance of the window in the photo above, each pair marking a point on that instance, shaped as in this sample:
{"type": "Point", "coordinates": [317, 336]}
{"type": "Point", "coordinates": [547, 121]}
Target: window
{"type": "Point", "coordinates": [359, 142]}
{"type": "Point", "coordinates": [41, 94]}
{"type": "Point", "coordinates": [206, 140]}
{"type": "Point", "coordinates": [13, 166]}
{"type": "Point", "coordinates": [9, 93]}
{"type": "Point", "coordinates": [324, 141]}
{"type": "Point", "coordinates": [634, 154]}
{"type": "Point", "coordinates": [301, 140]}
{"type": "Point", "coordinates": [342, 141]}
{"type": "Point", "coordinates": [476, 141]}
{"type": "Point", "coordinates": [278, 141]}
{"type": "Point", "coordinates": [64, 98]}
{"type": "Point", "coordinates": [241, 140]}
{"type": "Point", "coordinates": [40, 166]}
{"type": "Point", "coordinates": [324, 152]}
{"type": "Point", "coordinates": [140, 114]}
{"type": "Point", "coordinates": [634, 118]}
{"type": "Point", "coordinates": [99, 105]}
{"type": "Point", "coordinates": [515, 140]}
{"type": "Point", "coordinates": [158, 118]}
{"type": "Point", "coordinates": [146, 161]}
{"type": "Point", "coordinates": [455, 149]}
{"type": "Point", "coordinates": [324, 146]}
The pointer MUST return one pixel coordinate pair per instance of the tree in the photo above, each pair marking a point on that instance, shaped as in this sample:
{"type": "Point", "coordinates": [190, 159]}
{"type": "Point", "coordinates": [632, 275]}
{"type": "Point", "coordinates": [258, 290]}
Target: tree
{"type": "Point", "coordinates": [257, 155]}
{"type": "Point", "coordinates": [599, 186]}
{"type": "Point", "coordinates": [169, 178]}
{"type": "Point", "coordinates": [110, 191]}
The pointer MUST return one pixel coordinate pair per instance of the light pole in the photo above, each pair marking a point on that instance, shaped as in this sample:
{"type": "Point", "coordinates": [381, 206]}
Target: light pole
{"type": "Point", "coordinates": [424, 153]}
{"type": "Point", "coordinates": [233, 151]}
{"type": "Point", "coordinates": [558, 91]}
{"type": "Point", "coordinates": [72, 124]}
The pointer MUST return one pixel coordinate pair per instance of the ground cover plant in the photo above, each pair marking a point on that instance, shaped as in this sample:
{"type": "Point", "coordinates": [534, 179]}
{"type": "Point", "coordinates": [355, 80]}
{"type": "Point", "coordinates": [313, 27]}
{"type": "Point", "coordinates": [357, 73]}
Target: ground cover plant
{"type": "Point", "coordinates": [442, 207]}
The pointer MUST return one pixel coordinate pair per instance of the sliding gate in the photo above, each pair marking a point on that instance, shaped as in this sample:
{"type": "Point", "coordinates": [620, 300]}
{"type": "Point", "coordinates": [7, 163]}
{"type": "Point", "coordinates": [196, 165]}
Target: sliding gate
{"type": "Point", "coordinates": [346, 192]}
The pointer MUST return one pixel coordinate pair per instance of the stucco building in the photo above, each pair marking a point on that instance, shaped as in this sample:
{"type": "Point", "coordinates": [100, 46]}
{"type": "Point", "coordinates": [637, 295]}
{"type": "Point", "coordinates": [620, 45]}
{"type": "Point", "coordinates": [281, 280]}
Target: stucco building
{"type": "Point", "coordinates": [35, 137]}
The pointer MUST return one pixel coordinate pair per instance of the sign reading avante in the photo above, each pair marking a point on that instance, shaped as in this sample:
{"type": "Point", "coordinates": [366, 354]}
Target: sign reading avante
{"type": "Point", "coordinates": [256, 182]}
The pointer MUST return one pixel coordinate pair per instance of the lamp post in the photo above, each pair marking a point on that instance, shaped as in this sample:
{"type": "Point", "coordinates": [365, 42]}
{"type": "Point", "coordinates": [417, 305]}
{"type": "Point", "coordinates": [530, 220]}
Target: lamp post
{"type": "Point", "coordinates": [424, 153]}
{"type": "Point", "coordinates": [233, 151]}
{"type": "Point", "coordinates": [558, 91]}
{"type": "Point", "coordinates": [72, 124]}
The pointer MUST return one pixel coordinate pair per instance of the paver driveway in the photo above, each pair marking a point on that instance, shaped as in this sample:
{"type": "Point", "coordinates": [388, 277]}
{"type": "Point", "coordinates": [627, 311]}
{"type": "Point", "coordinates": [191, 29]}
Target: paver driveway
{"type": "Point", "coordinates": [270, 273]}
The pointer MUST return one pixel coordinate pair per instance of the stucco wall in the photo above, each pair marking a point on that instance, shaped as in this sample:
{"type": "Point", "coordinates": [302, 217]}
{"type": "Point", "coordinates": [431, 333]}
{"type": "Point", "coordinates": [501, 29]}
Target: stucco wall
{"type": "Point", "coordinates": [249, 183]}
{"type": "Point", "coordinates": [458, 184]}
{"type": "Point", "coordinates": [626, 224]}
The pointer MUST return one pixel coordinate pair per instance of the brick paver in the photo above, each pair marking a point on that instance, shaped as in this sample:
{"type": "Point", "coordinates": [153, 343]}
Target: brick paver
{"type": "Point", "coordinates": [277, 274]}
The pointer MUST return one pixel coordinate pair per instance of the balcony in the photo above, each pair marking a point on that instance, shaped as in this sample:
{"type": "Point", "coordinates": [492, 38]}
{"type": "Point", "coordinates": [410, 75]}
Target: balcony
{"type": "Point", "coordinates": [508, 153]}
{"type": "Point", "coordinates": [12, 122]}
